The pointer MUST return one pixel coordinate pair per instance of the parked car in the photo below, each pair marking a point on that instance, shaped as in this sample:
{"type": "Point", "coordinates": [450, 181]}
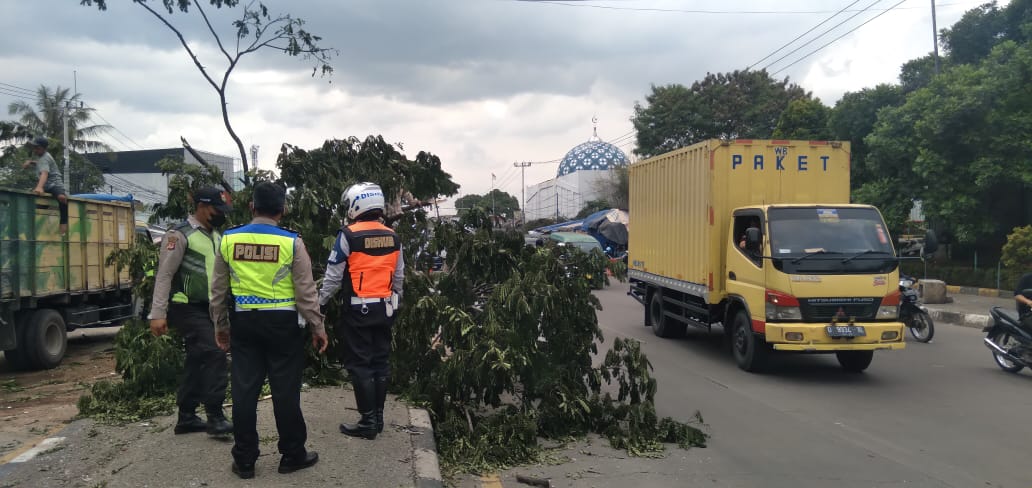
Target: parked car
{"type": "Point", "coordinates": [585, 243]}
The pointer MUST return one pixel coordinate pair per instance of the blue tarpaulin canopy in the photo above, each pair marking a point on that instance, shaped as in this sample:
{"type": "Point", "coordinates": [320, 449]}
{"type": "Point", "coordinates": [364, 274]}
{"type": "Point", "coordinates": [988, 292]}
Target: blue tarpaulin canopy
{"type": "Point", "coordinates": [105, 197]}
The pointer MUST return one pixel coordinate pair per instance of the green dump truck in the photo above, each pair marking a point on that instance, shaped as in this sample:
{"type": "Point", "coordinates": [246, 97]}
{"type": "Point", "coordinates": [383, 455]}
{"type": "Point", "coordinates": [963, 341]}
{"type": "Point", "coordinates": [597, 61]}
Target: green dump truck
{"type": "Point", "coordinates": [51, 284]}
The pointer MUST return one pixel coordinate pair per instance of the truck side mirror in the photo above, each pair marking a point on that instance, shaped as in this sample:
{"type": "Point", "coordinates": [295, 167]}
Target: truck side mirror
{"type": "Point", "coordinates": [931, 243]}
{"type": "Point", "coordinates": [752, 238]}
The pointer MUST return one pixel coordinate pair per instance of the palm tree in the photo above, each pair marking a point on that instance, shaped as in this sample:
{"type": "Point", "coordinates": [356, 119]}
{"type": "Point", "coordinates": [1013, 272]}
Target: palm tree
{"type": "Point", "coordinates": [45, 119]}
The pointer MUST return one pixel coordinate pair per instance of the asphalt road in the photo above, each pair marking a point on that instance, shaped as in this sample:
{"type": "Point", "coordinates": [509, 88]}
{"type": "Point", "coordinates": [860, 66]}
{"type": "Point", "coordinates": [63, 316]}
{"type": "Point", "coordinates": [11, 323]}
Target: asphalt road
{"type": "Point", "coordinates": [932, 415]}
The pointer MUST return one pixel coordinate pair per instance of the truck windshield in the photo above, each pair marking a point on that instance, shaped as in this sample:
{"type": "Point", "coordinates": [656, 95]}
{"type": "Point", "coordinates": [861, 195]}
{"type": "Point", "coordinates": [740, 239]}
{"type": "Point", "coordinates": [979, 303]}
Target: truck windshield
{"type": "Point", "coordinates": [830, 240]}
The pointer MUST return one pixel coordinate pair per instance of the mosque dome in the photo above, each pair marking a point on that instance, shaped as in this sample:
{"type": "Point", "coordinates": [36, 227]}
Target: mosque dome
{"type": "Point", "coordinates": [595, 154]}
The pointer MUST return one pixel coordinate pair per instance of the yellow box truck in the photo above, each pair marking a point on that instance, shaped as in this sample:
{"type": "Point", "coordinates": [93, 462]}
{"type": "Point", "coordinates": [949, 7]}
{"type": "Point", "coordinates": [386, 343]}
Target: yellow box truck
{"type": "Point", "coordinates": [760, 237]}
{"type": "Point", "coordinates": [52, 283]}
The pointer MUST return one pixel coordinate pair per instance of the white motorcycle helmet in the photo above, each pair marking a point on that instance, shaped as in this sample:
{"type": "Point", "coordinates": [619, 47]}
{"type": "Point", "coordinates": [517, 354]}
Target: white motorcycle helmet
{"type": "Point", "coordinates": [361, 198]}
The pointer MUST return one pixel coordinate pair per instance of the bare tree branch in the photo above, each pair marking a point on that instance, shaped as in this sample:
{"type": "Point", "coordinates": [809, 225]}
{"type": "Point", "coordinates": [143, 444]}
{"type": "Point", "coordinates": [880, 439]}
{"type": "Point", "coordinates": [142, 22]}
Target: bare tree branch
{"type": "Point", "coordinates": [211, 29]}
{"type": "Point", "coordinates": [182, 41]}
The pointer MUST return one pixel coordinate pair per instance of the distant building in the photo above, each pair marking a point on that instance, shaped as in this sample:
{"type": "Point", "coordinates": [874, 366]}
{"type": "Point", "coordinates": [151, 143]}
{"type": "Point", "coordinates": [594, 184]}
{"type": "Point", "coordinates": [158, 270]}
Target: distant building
{"type": "Point", "coordinates": [137, 172]}
{"type": "Point", "coordinates": [581, 174]}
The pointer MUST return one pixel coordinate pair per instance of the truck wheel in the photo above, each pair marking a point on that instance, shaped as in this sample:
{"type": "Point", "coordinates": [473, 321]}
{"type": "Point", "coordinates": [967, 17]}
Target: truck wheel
{"type": "Point", "coordinates": [46, 339]}
{"type": "Point", "coordinates": [662, 325]}
{"type": "Point", "coordinates": [17, 358]}
{"type": "Point", "coordinates": [855, 361]}
{"type": "Point", "coordinates": [750, 351]}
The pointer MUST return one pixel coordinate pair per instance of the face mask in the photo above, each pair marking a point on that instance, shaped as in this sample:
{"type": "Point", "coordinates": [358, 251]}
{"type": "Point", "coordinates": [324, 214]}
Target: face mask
{"type": "Point", "coordinates": [217, 220]}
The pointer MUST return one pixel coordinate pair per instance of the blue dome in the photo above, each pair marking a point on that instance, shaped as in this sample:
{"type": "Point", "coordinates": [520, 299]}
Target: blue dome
{"type": "Point", "coordinates": [592, 155]}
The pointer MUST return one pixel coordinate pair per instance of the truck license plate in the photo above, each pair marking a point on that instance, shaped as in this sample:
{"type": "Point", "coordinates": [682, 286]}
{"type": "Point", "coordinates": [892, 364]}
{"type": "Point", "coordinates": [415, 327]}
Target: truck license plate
{"type": "Point", "coordinates": [846, 331]}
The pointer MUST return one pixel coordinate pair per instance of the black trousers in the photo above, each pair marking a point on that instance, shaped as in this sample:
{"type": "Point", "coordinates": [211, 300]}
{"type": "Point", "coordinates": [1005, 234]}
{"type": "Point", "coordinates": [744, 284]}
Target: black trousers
{"type": "Point", "coordinates": [205, 373]}
{"type": "Point", "coordinates": [367, 341]}
{"type": "Point", "coordinates": [267, 343]}
{"type": "Point", "coordinates": [62, 207]}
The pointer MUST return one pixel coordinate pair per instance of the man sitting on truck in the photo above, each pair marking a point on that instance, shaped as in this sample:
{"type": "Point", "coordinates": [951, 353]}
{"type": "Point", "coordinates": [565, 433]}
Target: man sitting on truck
{"type": "Point", "coordinates": [49, 174]}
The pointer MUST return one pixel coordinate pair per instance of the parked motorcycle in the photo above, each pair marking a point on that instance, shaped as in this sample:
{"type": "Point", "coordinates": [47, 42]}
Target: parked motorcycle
{"type": "Point", "coordinates": [912, 313]}
{"type": "Point", "coordinates": [1011, 344]}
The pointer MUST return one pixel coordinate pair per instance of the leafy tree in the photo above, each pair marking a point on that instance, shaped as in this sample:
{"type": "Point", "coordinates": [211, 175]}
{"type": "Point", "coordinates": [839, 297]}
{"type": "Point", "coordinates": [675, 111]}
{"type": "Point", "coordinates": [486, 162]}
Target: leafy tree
{"type": "Point", "coordinates": [338, 163]}
{"type": "Point", "coordinates": [804, 119]}
{"type": "Point", "coordinates": [47, 119]}
{"type": "Point", "coordinates": [592, 207]}
{"type": "Point", "coordinates": [1017, 253]}
{"type": "Point", "coordinates": [853, 118]}
{"type": "Point", "coordinates": [918, 72]}
{"type": "Point", "coordinates": [534, 224]}
{"type": "Point", "coordinates": [740, 104]}
{"type": "Point", "coordinates": [255, 30]}
{"type": "Point", "coordinates": [500, 349]}
{"type": "Point", "coordinates": [502, 203]}
{"type": "Point", "coordinates": [960, 145]}
{"type": "Point", "coordinates": [972, 37]}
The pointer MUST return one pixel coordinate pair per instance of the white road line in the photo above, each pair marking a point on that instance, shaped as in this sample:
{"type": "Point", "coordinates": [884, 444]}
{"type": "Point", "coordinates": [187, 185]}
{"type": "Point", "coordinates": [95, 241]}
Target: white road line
{"type": "Point", "coordinates": [42, 446]}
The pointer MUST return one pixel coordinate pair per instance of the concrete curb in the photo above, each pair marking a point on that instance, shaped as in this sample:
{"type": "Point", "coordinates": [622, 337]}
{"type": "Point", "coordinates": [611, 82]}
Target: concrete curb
{"type": "Point", "coordinates": [424, 450]}
{"type": "Point", "coordinates": [972, 320]}
{"type": "Point", "coordinates": [983, 292]}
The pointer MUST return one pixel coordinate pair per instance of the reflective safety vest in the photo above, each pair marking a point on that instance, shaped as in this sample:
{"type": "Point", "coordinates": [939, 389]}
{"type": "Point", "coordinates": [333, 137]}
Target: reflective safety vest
{"type": "Point", "coordinates": [374, 250]}
{"type": "Point", "coordinates": [192, 281]}
{"type": "Point", "coordinates": [260, 258]}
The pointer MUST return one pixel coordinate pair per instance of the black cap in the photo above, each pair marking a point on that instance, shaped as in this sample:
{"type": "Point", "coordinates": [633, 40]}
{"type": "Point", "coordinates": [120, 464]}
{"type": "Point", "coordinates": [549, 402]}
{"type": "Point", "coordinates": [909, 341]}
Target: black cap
{"type": "Point", "coordinates": [212, 196]}
{"type": "Point", "coordinates": [39, 142]}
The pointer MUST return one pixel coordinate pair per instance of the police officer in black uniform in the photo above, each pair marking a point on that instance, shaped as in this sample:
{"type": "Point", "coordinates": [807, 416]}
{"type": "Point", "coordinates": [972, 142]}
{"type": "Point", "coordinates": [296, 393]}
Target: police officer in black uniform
{"type": "Point", "coordinates": [366, 260]}
{"type": "Point", "coordinates": [181, 297]}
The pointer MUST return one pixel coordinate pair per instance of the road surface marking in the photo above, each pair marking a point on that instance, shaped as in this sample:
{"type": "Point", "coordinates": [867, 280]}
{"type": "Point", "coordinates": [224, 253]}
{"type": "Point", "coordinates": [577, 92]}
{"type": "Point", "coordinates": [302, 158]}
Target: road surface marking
{"type": "Point", "coordinates": [47, 443]}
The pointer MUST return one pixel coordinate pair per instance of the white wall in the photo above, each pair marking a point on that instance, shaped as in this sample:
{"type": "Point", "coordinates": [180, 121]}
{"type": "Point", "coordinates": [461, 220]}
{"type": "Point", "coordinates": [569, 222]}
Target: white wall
{"type": "Point", "coordinates": [569, 193]}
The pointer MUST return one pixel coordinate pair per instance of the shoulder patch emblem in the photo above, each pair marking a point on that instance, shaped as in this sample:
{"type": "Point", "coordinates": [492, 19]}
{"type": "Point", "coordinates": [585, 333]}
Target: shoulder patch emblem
{"type": "Point", "coordinates": [171, 242]}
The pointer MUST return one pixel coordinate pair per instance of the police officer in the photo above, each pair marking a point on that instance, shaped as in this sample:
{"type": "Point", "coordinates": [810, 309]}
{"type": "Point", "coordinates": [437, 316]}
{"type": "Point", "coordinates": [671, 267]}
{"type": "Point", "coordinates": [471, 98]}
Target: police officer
{"type": "Point", "coordinates": [185, 262]}
{"type": "Point", "coordinates": [269, 273]}
{"type": "Point", "coordinates": [366, 260]}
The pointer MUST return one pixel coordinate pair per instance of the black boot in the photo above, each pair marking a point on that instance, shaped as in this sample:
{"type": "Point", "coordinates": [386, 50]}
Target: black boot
{"type": "Point", "coordinates": [217, 423]}
{"type": "Point", "coordinates": [381, 397]}
{"type": "Point", "coordinates": [189, 422]}
{"type": "Point", "coordinates": [365, 399]}
{"type": "Point", "coordinates": [289, 464]}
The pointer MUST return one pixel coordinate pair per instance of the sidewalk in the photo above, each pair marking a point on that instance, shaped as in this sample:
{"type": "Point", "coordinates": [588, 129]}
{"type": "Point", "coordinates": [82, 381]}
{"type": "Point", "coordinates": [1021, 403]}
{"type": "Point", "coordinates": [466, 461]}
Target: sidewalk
{"type": "Point", "coordinates": [969, 310]}
{"type": "Point", "coordinates": [148, 454]}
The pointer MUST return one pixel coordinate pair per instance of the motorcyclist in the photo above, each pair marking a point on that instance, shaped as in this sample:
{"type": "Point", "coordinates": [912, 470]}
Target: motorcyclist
{"type": "Point", "coordinates": [1024, 300]}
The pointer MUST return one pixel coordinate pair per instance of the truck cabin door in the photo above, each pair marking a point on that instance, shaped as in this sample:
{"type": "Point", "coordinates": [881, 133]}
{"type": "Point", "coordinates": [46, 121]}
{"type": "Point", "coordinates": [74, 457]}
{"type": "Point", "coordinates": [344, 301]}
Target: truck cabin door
{"type": "Point", "coordinates": [745, 251]}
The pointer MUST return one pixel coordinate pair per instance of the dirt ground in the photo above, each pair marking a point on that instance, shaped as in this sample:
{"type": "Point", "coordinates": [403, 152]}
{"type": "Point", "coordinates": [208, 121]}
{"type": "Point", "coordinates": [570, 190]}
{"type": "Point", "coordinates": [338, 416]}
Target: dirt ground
{"type": "Point", "coordinates": [34, 404]}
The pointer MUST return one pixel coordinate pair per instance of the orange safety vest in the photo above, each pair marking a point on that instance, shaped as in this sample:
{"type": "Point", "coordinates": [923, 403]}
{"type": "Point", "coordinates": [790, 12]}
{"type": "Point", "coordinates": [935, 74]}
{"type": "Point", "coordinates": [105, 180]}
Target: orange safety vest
{"type": "Point", "coordinates": [374, 252]}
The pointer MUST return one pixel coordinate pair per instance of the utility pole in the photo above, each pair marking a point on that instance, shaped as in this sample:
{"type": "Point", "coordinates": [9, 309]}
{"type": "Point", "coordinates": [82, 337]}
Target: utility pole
{"type": "Point", "coordinates": [935, 38]}
{"type": "Point", "coordinates": [523, 186]}
{"type": "Point", "coordinates": [67, 173]}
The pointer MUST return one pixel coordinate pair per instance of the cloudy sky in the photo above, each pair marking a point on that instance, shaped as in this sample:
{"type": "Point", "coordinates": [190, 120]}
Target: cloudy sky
{"type": "Point", "coordinates": [481, 83]}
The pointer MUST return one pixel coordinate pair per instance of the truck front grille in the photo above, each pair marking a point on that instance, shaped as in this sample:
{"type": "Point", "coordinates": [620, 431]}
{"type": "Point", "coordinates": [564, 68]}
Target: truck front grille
{"type": "Point", "coordinates": [840, 309]}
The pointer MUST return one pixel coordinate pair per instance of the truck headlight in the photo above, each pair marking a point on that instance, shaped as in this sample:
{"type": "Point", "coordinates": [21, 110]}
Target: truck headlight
{"type": "Point", "coordinates": [781, 306]}
{"type": "Point", "coordinates": [888, 312]}
{"type": "Point", "coordinates": [889, 308]}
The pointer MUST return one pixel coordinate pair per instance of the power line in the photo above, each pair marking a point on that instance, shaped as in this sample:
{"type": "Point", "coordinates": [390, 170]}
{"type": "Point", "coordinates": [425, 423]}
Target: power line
{"type": "Point", "coordinates": [18, 88]}
{"type": "Point", "coordinates": [836, 26]}
{"type": "Point", "coordinates": [3, 91]}
{"type": "Point", "coordinates": [839, 37]}
{"type": "Point", "coordinates": [130, 139]}
{"type": "Point", "coordinates": [805, 33]}
{"type": "Point", "coordinates": [718, 12]}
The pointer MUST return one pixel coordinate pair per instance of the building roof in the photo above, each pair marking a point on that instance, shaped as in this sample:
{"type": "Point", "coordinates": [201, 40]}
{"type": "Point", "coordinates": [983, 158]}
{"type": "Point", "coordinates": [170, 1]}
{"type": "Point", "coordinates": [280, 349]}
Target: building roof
{"type": "Point", "coordinates": [595, 154]}
{"type": "Point", "coordinates": [127, 162]}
